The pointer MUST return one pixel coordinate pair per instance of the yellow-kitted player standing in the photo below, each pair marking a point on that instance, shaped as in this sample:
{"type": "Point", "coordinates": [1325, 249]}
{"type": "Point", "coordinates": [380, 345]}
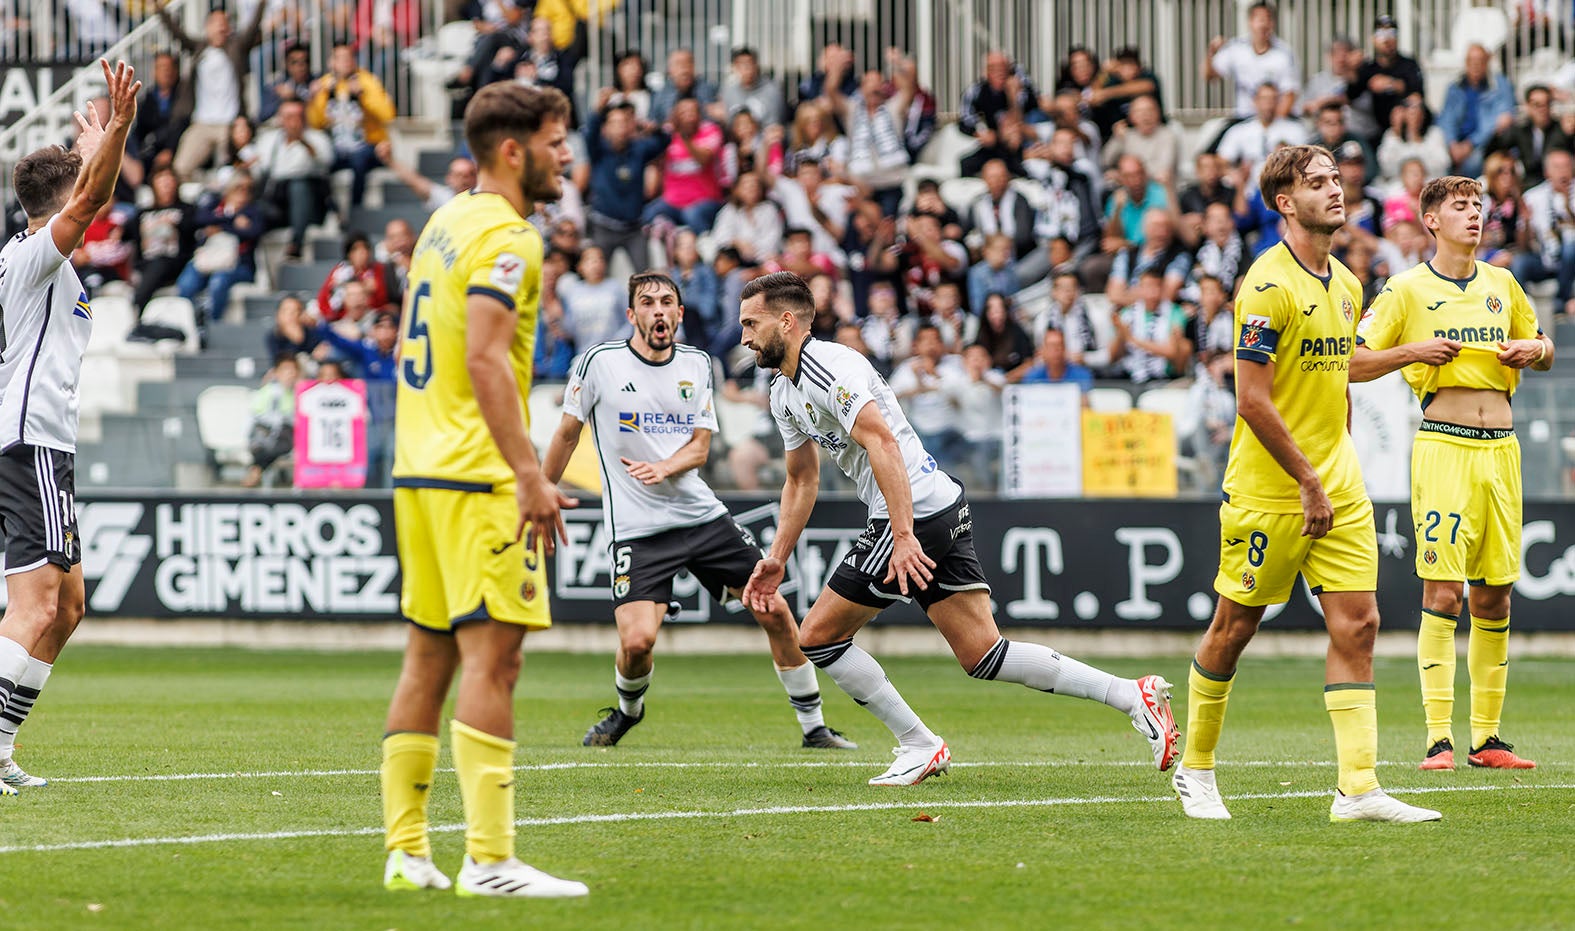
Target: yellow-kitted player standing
{"type": "Point", "coordinates": [1460, 331]}
{"type": "Point", "coordinates": [474, 515]}
{"type": "Point", "coordinates": [1294, 498]}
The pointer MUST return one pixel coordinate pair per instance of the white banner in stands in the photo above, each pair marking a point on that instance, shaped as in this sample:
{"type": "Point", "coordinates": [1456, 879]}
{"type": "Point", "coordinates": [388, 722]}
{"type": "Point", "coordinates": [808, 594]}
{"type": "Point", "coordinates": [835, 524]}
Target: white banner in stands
{"type": "Point", "coordinates": [1384, 416]}
{"type": "Point", "coordinates": [1042, 442]}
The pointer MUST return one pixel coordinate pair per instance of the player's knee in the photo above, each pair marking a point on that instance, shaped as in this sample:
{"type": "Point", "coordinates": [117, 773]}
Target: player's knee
{"type": "Point", "coordinates": [1444, 600]}
{"type": "Point", "coordinates": [1360, 629]}
{"type": "Point", "coordinates": [639, 644]}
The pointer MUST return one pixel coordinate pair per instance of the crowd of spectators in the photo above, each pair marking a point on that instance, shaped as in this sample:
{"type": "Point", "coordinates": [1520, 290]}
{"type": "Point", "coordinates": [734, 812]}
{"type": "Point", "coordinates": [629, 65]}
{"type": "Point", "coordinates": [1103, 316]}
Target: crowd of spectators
{"type": "Point", "coordinates": [1099, 241]}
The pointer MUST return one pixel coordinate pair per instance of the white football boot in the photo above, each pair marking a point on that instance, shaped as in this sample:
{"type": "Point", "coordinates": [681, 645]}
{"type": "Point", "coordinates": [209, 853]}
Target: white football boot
{"type": "Point", "coordinates": [1155, 721]}
{"type": "Point", "coordinates": [1377, 805]}
{"type": "Point", "coordinates": [1200, 797]}
{"type": "Point", "coordinates": [405, 872]}
{"type": "Point", "coordinates": [515, 879]}
{"type": "Point", "coordinates": [913, 765]}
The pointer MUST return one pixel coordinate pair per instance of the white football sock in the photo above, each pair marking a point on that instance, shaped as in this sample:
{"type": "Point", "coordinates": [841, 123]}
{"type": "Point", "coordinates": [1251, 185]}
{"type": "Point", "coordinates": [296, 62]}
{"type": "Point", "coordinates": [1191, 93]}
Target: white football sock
{"type": "Point", "coordinates": [857, 673]}
{"type": "Point", "coordinates": [13, 664]}
{"type": "Point", "coordinates": [21, 703]}
{"type": "Point", "coordinates": [631, 692]}
{"type": "Point", "coordinates": [1042, 668]}
{"type": "Point", "coordinates": [804, 692]}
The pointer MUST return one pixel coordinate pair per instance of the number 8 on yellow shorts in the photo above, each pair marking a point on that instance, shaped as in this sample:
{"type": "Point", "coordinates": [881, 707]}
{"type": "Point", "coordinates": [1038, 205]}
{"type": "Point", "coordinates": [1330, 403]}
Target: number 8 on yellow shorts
{"type": "Point", "coordinates": [1261, 553]}
{"type": "Point", "coordinates": [461, 562]}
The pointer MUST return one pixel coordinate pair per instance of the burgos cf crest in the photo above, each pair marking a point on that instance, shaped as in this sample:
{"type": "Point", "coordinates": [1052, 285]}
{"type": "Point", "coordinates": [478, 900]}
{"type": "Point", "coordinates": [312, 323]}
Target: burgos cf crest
{"type": "Point", "coordinates": [686, 390]}
{"type": "Point", "coordinates": [1494, 305]}
{"type": "Point", "coordinates": [1349, 309]}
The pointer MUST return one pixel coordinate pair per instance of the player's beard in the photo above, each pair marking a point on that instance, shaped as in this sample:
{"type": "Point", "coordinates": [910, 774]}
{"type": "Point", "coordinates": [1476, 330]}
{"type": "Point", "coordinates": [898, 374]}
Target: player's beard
{"type": "Point", "coordinates": [770, 351]}
{"type": "Point", "coordinates": [539, 184]}
{"type": "Point", "coordinates": [658, 342]}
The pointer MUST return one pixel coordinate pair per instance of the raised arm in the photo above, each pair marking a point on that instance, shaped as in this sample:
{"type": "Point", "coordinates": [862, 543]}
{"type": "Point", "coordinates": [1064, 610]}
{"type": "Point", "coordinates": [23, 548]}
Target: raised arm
{"type": "Point", "coordinates": [177, 32]}
{"type": "Point", "coordinates": [407, 176]}
{"type": "Point", "coordinates": [489, 334]}
{"type": "Point", "coordinates": [102, 147]}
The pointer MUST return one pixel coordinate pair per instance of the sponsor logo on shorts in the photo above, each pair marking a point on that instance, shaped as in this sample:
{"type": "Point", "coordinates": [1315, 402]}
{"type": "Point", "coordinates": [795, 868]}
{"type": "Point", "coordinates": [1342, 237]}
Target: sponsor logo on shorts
{"type": "Point", "coordinates": [528, 590]}
{"type": "Point", "coordinates": [620, 586]}
{"type": "Point", "coordinates": [1249, 581]}
{"type": "Point", "coordinates": [1430, 556]}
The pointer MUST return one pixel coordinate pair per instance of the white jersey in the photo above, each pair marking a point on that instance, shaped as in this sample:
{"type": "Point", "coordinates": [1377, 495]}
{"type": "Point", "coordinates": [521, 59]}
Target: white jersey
{"type": "Point", "coordinates": [331, 412]}
{"type": "Point", "coordinates": [45, 322]}
{"type": "Point", "coordinates": [833, 385]}
{"type": "Point", "coordinates": [645, 411]}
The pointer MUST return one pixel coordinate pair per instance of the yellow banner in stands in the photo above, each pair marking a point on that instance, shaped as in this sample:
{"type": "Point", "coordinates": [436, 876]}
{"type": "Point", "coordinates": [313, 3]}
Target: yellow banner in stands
{"type": "Point", "coordinates": [1129, 455]}
{"type": "Point", "coordinates": [583, 471]}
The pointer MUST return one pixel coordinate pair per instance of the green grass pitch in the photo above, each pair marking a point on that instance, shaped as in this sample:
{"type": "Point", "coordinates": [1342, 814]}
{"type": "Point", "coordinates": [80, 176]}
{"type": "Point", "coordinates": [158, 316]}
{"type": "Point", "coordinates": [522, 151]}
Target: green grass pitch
{"type": "Point", "coordinates": [711, 816]}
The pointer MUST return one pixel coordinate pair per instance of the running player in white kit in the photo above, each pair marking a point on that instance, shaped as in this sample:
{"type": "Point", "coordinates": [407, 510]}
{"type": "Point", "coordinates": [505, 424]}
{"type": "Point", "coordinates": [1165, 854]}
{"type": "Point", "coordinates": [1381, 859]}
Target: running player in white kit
{"type": "Point", "coordinates": [918, 545]}
{"type": "Point", "coordinates": [45, 321]}
{"type": "Point", "coordinates": [648, 401]}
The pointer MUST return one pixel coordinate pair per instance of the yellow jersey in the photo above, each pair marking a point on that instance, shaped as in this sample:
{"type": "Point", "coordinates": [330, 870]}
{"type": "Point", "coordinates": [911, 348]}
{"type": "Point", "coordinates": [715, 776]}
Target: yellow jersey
{"type": "Point", "coordinates": [1481, 311]}
{"type": "Point", "coordinates": [1306, 327]}
{"type": "Point", "coordinates": [477, 243]}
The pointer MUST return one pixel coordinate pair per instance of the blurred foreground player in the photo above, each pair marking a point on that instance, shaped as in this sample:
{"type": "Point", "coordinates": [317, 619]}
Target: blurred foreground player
{"type": "Point", "coordinates": [474, 515]}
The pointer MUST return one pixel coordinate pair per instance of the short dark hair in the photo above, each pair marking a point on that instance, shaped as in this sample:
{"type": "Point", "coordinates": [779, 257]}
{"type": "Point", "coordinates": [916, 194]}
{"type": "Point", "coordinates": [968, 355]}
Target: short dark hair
{"type": "Point", "coordinates": [1438, 190]}
{"type": "Point", "coordinates": [1535, 88]}
{"type": "Point", "coordinates": [792, 231]}
{"type": "Point", "coordinates": [926, 328]}
{"type": "Point", "coordinates": [783, 291]}
{"type": "Point", "coordinates": [44, 179]}
{"type": "Point", "coordinates": [285, 357]}
{"type": "Point", "coordinates": [506, 110]}
{"type": "Point", "coordinates": [743, 51]}
{"type": "Point", "coordinates": [1264, 5]}
{"type": "Point", "coordinates": [1283, 167]}
{"type": "Point", "coordinates": [356, 236]}
{"type": "Point", "coordinates": [1153, 271]}
{"type": "Point", "coordinates": [619, 106]}
{"type": "Point", "coordinates": [1332, 106]}
{"type": "Point", "coordinates": [642, 280]}
{"type": "Point", "coordinates": [295, 47]}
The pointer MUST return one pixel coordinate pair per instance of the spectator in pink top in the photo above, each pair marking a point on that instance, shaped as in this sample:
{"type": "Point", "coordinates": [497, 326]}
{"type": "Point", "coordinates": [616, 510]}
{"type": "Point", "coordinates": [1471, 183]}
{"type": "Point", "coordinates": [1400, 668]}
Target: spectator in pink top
{"type": "Point", "coordinates": [691, 172]}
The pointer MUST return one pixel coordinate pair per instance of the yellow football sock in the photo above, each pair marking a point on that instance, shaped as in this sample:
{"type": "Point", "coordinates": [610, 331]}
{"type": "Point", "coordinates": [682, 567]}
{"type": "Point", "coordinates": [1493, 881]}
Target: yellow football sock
{"type": "Point", "coordinates": [485, 767]}
{"type": "Point", "coordinates": [1435, 661]}
{"type": "Point", "coordinates": [409, 760]}
{"type": "Point", "coordinates": [1353, 709]}
{"type": "Point", "coordinates": [1487, 657]}
{"type": "Point", "coordinates": [1207, 694]}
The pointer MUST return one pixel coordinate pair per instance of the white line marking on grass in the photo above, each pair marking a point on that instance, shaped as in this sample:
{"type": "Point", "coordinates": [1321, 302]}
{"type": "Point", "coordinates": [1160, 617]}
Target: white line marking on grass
{"type": "Point", "coordinates": [682, 764]}
{"type": "Point", "coordinates": [618, 817]}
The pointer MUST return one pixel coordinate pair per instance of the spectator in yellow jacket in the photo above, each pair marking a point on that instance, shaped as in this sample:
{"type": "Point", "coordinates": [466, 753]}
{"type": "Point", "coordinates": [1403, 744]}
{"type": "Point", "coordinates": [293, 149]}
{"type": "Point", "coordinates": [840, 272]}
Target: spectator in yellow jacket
{"type": "Point", "coordinates": [351, 104]}
{"type": "Point", "coordinates": [563, 14]}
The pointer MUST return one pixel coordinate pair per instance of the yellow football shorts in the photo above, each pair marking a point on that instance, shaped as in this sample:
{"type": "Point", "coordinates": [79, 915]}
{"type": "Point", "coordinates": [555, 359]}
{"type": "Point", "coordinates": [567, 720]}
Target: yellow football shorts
{"type": "Point", "coordinates": [461, 562]}
{"type": "Point", "coordinates": [1466, 504]}
{"type": "Point", "coordinates": [1261, 553]}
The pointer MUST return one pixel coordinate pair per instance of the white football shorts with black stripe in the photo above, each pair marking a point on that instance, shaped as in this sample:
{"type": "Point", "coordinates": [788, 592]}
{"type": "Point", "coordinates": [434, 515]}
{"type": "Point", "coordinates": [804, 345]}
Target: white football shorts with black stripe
{"type": "Point", "coordinates": [946, 537]}
{"type": "Point", "coordinates": [38, 510]}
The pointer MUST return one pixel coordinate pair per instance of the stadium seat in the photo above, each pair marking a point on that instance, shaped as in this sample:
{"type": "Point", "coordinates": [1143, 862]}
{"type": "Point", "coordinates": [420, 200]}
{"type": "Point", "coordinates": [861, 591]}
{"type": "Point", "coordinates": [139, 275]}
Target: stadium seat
{"type": "Point", "coordinates": [1109, 400]}
{"type": "Point", "coordinates": [947, 147]}
{"type": "Point", "coordinates": [960, 192]}
{"type": "Point", "coordinates": [224, 417]}
{"type": "Point", "coordinates": [179, 313]}
{"type": "Point", "coordinates": [100, 389]}
{"type": "Point", "coordinates": [735, 420]}
{"type": "Point", "coordinates": [113, 318]}
{"type": "Point", "coordinates": [1177, 402]}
